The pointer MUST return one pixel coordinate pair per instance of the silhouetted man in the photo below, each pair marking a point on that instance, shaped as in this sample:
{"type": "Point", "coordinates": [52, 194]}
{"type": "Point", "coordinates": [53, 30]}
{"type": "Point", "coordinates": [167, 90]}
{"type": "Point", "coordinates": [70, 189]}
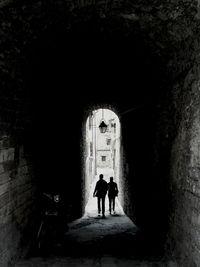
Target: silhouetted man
{"type": "Point", "coordinates": [100, 192]}
{"type": "Point", "coordinates": [112, 193]}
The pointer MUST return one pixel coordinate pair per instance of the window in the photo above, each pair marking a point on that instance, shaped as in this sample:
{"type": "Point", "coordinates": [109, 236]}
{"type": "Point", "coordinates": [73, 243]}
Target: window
{"type": "Point", "coordinates": [108, 141]}
{"type": "Point", "coordinates": [91, 149]}
{"type": "Point", "coordinates": [103, 158]}
{"type": "Point", "coordinates": [114, 126]}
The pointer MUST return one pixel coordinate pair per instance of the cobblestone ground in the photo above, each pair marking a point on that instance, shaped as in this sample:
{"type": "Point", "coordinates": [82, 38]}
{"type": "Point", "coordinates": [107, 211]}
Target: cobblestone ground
{"type": "Point", "coordinates": [93, 241]}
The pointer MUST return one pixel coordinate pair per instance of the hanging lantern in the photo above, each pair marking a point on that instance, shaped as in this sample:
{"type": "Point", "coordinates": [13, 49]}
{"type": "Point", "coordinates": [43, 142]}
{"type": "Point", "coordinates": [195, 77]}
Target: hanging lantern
{"type": "Point", "coordinates": [103, 126]}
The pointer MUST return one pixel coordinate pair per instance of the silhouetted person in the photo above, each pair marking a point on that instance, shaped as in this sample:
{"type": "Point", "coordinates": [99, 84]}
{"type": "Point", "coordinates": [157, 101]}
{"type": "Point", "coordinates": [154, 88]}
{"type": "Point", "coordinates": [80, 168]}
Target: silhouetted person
{"type": "Point", "coordinates": [112, 193]}
{"type": "Point", "coordinates": [100, 192]}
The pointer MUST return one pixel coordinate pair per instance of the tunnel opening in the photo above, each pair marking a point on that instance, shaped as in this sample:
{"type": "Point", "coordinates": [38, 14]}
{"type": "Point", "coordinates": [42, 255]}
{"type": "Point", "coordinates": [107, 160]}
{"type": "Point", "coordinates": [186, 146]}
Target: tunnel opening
{"type": "Point", "coordinates": [55, 63]}
{"type": "Point", "coordinates": [102, 154]}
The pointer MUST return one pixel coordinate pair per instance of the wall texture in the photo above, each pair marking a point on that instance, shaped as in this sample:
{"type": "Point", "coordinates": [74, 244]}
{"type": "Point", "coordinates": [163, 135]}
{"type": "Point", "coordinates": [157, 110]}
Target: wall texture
{"type": "Point", "coordinates": [185, 201]}
{"type": "Point", "coordinates": [17, 196]}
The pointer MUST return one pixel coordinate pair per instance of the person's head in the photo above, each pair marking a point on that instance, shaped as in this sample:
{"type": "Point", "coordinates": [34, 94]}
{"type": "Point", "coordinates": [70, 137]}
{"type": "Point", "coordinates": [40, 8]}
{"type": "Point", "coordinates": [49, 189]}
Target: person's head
{"type": "Point", "coordinates": [101, 176]}
{"type": "Point", "coordinates": [111, 179]}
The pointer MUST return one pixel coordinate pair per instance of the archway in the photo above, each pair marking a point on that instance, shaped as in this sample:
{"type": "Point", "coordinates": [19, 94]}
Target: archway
{"type": "Point", "coordinates": [102, 154]}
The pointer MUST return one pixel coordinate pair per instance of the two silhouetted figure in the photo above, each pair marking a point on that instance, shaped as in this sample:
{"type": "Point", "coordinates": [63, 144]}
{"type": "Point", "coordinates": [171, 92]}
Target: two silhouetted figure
{"type": "Point", "coordinates": [100, 191]}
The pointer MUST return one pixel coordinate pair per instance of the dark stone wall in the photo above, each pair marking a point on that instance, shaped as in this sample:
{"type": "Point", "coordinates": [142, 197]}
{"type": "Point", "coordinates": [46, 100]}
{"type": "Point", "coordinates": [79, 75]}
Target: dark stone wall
{"type": "Point", "coordinates": [184, 176]}
{"type": "Point", "coordinates": [56, 56]}
{"type": "Point", "coordinates": [17, 200]}
{"type": "Point", "coordinates": [17, 181]}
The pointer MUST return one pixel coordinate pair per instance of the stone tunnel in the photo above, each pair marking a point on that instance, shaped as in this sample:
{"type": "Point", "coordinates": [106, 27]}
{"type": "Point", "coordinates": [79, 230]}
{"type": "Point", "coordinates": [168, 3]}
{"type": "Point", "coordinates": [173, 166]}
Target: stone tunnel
{"type": "Point", "coordinates": [61, 59]}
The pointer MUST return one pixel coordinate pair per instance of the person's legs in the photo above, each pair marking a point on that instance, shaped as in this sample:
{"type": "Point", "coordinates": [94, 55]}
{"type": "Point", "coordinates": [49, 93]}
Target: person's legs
{"type": "Point", "coordinates": [103, 205]}
{"type": "Point", "coordinates": [99, 204]}
{"type": "Point", "coordinates": [110, 199]}
{"type": "Point", "coordinates": [113, 204]}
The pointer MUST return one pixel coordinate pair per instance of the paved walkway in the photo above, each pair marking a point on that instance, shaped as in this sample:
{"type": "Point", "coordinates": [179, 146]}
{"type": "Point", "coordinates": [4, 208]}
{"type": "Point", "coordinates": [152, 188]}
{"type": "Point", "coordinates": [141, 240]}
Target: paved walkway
{"type": "Point", "coordinates": [105, 261]}
{"type": "Point", "coordinates": [96, 242]}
